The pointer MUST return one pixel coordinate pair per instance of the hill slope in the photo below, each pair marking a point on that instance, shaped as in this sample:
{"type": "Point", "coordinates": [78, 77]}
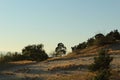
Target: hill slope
{"type": "Point", "coordinates": [91, 51]}
{"type": "Point", "coordinates": [70, 67]}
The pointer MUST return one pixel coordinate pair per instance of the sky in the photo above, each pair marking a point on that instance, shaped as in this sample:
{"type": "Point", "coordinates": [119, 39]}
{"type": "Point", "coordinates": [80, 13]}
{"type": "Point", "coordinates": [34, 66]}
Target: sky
{"type": "Point", "coordinates": [26, 22]}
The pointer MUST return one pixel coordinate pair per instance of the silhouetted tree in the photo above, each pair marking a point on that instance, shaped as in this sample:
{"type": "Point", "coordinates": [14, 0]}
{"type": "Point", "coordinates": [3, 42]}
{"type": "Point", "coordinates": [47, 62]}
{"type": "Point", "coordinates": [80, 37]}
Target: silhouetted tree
{"type": "Point", "coordinates": [99, 36]}
{"type": "Point", "coordinates": [79, 47]}
{"type": "Point", "coordinates": [35, 52]}
{"type": "Point", "coordinates": [60, 49]}
{"type": "Point", "coordinates": [110, 37]}
{"type": "Point", "coordinates": [116, 35]}
{"type": "Point", "coordinates": [82, 45]}
{"type": "Point", "coordinates": [90, 42]}
{"type": "Point", "coordinates": [17, 56]}
{"type": "Point", "coordinates": [100, 39]}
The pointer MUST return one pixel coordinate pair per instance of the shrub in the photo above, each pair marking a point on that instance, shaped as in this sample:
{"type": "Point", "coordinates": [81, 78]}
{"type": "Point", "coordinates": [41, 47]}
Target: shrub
{"type": "Point", "coordinates": [101, 66]}
{"type": "Point", "coordinates": [90, 42]}
{"type": "Point", "coordinates": [99, 39]}
{"type": "Point", "coordinates": [34, 52]}
{"type": "Point", "coordinates": [103, 75]}
{"type": "Point", "coordinates": [10, 57]}
{"type": "Point", "coordinates": [82, 45]}
{"type": "Point", "coordinates": [101, 62]}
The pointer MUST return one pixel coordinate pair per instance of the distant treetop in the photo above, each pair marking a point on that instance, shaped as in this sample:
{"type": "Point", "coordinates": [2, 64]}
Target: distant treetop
{"type": "Point", "coordinates": [60, 49]}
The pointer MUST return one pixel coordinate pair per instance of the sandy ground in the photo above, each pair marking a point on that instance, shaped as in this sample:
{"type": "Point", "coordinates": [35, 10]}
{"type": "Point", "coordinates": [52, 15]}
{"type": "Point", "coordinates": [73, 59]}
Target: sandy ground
{"type": "Point", "coordinates": [40, 71]}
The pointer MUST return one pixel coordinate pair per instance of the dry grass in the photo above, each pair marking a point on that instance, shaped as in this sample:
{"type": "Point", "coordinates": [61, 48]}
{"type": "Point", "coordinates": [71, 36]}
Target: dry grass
{"type": "Point", "coordinates": [90, 51]}
{"type": "Point", "coordinates": [114, 51]}
{"type": "Point", "coordinates": [23, 62]}
{"type": "Point", "coordinates": [115, 75]}
{"type": "Point", "coordinates": [70, 67]}
{"type": "Point", "coordinates": [77, 76]}
{"type": "Point", "coordinates": [67, 67]}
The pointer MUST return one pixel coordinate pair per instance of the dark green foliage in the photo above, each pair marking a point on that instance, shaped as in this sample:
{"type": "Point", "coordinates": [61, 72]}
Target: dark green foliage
{"type": "Point", "coordinates": [116, 35]}
{"type": "Point", "coordinates": [31, 52]}
{"type": "Point", "coordinates": [99, 40]}
{"type": "Point", "coordinates": [110, 37]}
{"type": "Point", "coordinates": [17, 56]}
{"type": "Point", "coordinates": [101, 65]}
{"type": "Point", "coordinates": [11, 57]}
{"type": "Point", "coordinates": [103, 75]}
{"type": "Point", "coordinates": [90, 42]}
{"type": "Point", "coordinates": [99, 36]}
{"type": "Point", "coordinates": [34, 52]}
{"type": "Point", "coordinates": [60, 49]}
{"type": "Point", "coordinates": [101, 62]}
{"type": "Point", "coordinates": [82, 45]}
{"type": "Point", "coordinates": [113, 36]}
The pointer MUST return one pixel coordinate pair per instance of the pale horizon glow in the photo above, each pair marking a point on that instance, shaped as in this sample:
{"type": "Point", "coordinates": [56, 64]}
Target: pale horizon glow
{"type": "Point", "coordinates": [26, 22]}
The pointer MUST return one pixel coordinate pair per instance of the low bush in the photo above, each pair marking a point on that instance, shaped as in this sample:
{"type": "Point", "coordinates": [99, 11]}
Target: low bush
{"type": "Point", "coordinates": [101, 66]}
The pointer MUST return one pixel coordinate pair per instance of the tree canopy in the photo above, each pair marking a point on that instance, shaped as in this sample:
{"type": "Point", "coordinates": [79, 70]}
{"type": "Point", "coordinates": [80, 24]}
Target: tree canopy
{"type": "Point", "coordinates": [35, 52]}
{"type": "Point", "coordinates": [99, 40]}
{"type": "Point", "coordinates": [60, 49]}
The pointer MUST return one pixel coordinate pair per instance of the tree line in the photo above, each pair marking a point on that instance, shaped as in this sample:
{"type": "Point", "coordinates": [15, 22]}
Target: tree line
{"type": "Point", "coordinates": [33, 52]}
{"type": "Point", "coordinates": [30, 52]}
{"type": "Point", "coordinates": [36, 52]}
{"type": "Point", "coordinates": [99, 40]}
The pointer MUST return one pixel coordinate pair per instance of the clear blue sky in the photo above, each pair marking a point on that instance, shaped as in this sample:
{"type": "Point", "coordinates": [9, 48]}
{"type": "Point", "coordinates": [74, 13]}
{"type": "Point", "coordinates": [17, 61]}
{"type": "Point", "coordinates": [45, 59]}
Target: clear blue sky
{"type": "Point", "coordinates": [24, 22]}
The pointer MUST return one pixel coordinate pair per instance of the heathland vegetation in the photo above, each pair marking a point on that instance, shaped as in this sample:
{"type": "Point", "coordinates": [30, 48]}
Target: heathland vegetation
{"type": "Point", "coordinates": [101, 66]}
{"type": "Point", "coordinates": [37, 52]}
{"type": "Point", "coordinates": [99, 40]}
{"type": "Point", "coordinates": [97, 67]}
{"type": "Point", "coordinates": [30, 52]}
